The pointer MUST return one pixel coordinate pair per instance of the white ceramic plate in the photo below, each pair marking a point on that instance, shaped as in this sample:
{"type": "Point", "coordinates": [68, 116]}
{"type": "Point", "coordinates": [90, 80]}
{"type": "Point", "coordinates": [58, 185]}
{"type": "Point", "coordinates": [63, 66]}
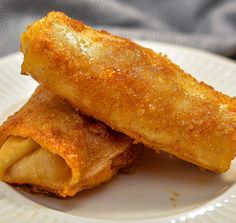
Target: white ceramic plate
{"type": "Point", "coordinates": [160, 190]}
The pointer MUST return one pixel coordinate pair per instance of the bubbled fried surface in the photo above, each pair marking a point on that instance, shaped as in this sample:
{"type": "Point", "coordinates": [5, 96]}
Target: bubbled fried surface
{"type": "Point", "coordinates": [88, 146]}
{"type": "Point", "coordinates": [132, 89]}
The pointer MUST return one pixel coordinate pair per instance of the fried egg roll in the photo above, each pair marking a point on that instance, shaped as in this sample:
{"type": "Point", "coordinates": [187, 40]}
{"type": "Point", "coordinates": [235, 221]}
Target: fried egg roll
{"type": "Point", "coordinates": [53, 148]}
{"type": "Point", "coordinates": [132, 89]}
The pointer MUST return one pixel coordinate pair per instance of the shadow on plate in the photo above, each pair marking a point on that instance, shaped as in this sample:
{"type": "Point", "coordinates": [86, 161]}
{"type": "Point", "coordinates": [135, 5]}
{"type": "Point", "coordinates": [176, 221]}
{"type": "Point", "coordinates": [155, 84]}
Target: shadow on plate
{"type": "Point", "coordinates": [159, 182]}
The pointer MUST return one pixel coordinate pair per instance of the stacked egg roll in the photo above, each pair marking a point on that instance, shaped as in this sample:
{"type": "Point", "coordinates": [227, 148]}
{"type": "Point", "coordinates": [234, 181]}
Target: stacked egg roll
{"type": "Point", "coordinates": [132, 89]}
{"type": "Point", "coordinates": [55, 149]}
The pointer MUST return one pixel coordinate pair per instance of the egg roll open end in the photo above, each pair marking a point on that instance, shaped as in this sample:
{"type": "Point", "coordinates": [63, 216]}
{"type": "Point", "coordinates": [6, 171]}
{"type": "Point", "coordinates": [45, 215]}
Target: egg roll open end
{"type": "Point", "coordinates": [23, 161]}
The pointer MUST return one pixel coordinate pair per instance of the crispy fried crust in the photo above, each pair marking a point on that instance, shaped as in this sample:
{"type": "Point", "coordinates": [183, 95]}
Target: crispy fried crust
{"type": "Point", "coordinates": [92, 150]}
{"type": "Point", "coordinates": [132, 89]}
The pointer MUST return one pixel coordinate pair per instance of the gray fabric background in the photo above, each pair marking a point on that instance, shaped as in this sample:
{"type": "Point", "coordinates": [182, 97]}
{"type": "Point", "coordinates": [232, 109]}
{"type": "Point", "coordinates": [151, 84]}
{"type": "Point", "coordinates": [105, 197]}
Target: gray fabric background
{"type": "Point", "coordinates": [206, 24]}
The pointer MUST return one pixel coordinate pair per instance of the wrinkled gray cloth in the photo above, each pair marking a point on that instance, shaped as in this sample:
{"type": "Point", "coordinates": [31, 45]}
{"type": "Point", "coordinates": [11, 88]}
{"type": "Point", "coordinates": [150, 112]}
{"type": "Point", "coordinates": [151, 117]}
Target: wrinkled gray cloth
{"type": "Point", "coordinates": [206, 24]}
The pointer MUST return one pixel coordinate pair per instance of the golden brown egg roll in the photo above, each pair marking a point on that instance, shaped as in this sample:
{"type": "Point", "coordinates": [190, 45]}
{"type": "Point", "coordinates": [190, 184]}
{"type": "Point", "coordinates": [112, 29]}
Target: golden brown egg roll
{"type": "Point", "coordinates": [132, 89]}
{"type": "Point", "coordinates": [48, 145]}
